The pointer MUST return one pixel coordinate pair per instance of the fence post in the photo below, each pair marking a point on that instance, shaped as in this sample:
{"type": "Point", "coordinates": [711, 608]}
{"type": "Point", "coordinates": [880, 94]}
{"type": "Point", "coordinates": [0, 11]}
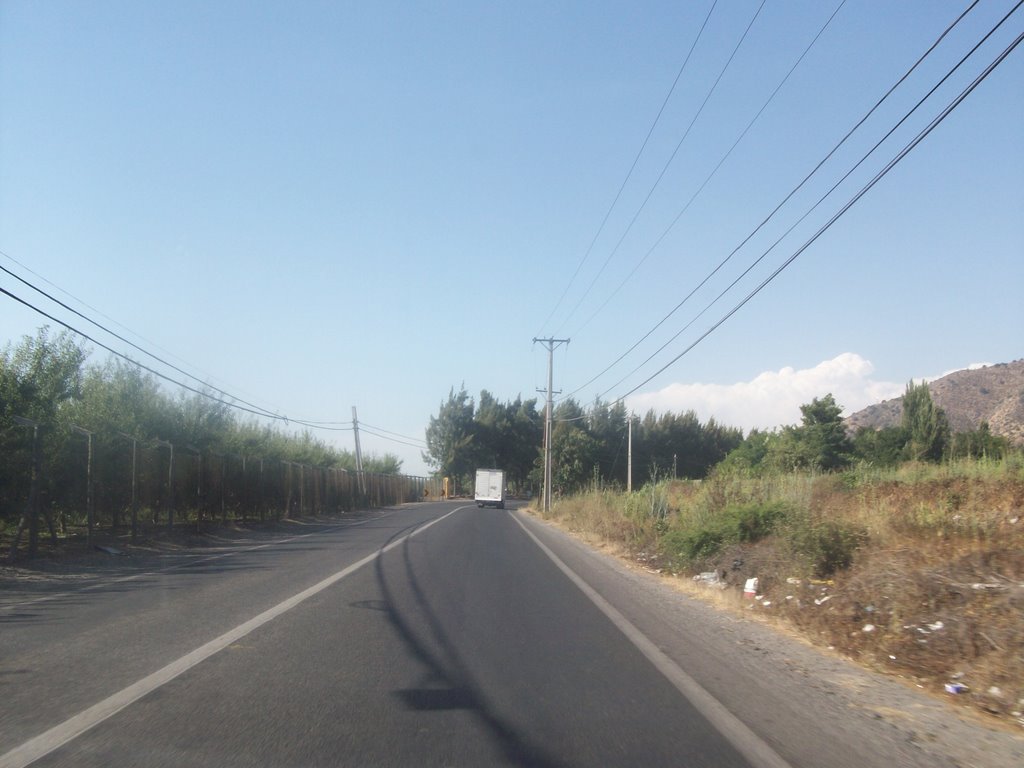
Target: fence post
{"type": "Point", "coordinates": [88, 483]}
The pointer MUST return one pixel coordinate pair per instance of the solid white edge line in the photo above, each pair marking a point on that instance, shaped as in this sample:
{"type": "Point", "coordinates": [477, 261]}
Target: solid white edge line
{"type": "Point", "coordinates": [756, 751]}
{"type": "Point", "coordinates": [59, 735]}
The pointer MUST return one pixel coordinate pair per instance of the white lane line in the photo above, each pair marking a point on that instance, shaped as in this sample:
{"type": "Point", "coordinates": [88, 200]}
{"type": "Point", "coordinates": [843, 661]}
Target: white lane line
{"type": "Point", "coordinates": [175, 566]}
{"type": "Point", "coordinates": [59, 735]}
{"type": "Point", "coordinates": [757, 752]}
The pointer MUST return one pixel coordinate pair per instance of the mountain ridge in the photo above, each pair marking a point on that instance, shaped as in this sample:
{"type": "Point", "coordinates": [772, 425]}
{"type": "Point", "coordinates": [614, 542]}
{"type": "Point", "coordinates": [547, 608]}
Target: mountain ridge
{"type": "Point", "coordinates": [991, 393]}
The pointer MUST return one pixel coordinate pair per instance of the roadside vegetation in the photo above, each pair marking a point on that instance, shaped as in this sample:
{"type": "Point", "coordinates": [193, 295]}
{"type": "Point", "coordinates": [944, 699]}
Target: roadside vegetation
{"type": "Point", "coordinates": [109, 436]}
{"type": "Point", "coordinates": [903, 548]}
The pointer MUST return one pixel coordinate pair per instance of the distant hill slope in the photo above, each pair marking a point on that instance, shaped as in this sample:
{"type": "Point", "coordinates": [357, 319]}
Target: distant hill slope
{"type": "Point", "coordinates": [994, 394]}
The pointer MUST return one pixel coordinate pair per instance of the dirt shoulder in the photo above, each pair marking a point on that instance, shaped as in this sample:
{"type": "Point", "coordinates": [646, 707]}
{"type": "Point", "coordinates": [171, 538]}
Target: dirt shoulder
{"type": "Point", "coordinates": [927, 707]}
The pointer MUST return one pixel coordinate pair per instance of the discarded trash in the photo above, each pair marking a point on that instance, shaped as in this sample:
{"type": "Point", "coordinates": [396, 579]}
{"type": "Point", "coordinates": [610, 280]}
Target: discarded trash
{"type": "Point", "coordinates": [892, 657]}
{"type": "Point", "coordinates": [955, 688]}
{"type": "Point", "coordinates": [824, 599]}
{"type": "Point", "coordinates": [995, 690]}
{"type": "Point", "coordinates": [936, 626]}
{"type": "Point", "coordinates": [868, 628]}
{"type": "Point", "coordinates": [750, 588]}
{"type": "Point", "coordinates": [109, 550]}
{"type": "Point", "coordinates": [710, 579]}
{"type": "Point", "coordinates": [766, 603]}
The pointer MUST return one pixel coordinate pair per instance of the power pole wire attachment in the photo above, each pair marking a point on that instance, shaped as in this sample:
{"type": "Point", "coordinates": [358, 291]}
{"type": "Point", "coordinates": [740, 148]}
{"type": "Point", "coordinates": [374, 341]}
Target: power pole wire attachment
{"type": "Point", "coordinates": [550, 344]}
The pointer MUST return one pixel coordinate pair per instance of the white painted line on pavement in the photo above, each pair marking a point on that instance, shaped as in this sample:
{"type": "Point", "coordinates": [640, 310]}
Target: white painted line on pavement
{"type": "Point", "coordinates": [736, 732]}
{"type": "Point", "coordinates": [59, 735]}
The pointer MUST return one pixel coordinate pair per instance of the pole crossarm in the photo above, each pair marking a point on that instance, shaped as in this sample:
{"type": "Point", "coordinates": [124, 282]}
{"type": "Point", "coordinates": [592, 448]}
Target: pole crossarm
{"type": "Point", "coordinates": [551, 344]}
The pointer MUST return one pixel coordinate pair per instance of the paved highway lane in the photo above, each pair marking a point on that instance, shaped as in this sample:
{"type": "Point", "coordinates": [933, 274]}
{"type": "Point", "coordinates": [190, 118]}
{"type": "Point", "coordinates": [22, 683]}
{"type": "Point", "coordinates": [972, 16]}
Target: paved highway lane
{"type": "Point", "coordinates": [437, 634]}
{"type": "Point", "coordinates": [463, 645]}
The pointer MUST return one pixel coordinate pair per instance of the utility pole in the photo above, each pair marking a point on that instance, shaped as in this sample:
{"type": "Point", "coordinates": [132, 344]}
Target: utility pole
{"type": "Point", "coordinates": [629, 457]}
{"type": "Point", "coordinates": [359, 454]}
{"type": "Point", "coordinates": [550, 344]}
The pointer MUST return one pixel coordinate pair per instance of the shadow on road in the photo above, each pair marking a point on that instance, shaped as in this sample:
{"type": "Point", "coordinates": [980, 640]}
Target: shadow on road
{"type": "Point", "coordinates": [447, 684]}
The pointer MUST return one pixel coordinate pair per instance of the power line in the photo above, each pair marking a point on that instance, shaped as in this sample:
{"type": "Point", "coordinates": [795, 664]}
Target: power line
{"type": "Point", "coordinates": [632, 167]}
{"type": "Point", "coordinates": [387, 431]}
{"type": "Point", "coordinates": [889, 166]}
{"type": "Point", "coordinates": [158, 374]}
{"type": "Point", "coordinates": [672, 157]}
{"type": "Point", "coordinates": [792, 192]}
{"type": "Point", "coordinates": [131, 343]}
{"type": "Point", "coordinates": [105, 317]}
{"type": "Point", "coordinates": [714, 170]}
{"type": "Point", "coordinates": [392, 439]}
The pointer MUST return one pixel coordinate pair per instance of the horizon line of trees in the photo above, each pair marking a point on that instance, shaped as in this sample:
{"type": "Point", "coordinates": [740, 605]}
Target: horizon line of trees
{"type": "Point", "coordinates": [93, 416]}
{"type": "Point", "coordinates": [589, 446]}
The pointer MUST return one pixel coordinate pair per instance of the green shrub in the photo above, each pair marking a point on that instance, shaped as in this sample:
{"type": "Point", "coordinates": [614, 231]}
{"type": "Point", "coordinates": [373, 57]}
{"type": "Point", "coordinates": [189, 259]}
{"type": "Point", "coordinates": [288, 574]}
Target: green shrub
{"type": "Point", "coordinates": [752, 522]}
{"type": "Point", "coordinates": [825, 546]}
{"type": "Point", "coordinates": [747, 523]}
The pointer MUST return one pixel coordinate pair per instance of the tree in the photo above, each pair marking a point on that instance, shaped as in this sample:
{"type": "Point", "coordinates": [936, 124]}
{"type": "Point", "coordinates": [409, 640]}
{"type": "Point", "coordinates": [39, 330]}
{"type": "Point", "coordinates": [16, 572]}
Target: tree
{"type": "Point", "coordinates": [925, 424]}
{"type": "Point", "coordinates": [825, 442]}
{"type": "Point", "coordinates": [820, 442]}
{"type": "Point", "coordinates": [749, 454]}
{"type": "Point", "coordinates": [450, 437]}
{"type": "Point", "coordinates": [574, 454]}
{"type": "Point", "coordinates": [882, 447]}
{"type": "Point", "coordinates": [980, 443]}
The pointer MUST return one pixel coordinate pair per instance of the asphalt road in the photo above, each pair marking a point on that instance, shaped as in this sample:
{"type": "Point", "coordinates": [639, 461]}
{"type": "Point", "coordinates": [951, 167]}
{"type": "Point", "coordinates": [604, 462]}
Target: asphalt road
{"type": "Point", "coordinates": [435, 634]}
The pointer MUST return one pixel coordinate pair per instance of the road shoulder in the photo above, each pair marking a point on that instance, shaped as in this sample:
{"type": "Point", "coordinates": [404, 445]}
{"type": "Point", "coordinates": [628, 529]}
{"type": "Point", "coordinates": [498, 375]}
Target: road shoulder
{"type": "Point", "coordinates": [793, 696]}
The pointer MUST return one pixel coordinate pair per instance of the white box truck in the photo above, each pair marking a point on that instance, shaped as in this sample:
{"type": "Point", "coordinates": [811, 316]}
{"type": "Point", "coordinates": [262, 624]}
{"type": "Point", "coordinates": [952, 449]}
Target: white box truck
{"type": "Point", "coordinates": [490, 488]}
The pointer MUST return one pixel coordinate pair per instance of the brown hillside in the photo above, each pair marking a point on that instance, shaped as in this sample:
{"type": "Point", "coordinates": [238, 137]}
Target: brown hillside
{"type": "Point", "coordinates": [994, 394]}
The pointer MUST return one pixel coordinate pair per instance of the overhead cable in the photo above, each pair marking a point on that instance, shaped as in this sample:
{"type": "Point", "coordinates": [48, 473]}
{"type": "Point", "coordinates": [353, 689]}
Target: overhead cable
{"type": "Point", "coordinates": [158, 374]}
{"type": "Point", "coordinates": [632, 167]}
{"type": "Point", "coordinates": [792, 192]}
{"type": "Point", "coordinates": [387, 431]}
{"type": "Point", "coordinates": [714, 170]}
{"type": "Point", "coordinates": [132, 344]}
{"type": "Point", "coordinates": [665, 168]}
{"type": "Point", "coordinates": [385, 437]}
{"type": "Point", "coordinates": [889, 166]}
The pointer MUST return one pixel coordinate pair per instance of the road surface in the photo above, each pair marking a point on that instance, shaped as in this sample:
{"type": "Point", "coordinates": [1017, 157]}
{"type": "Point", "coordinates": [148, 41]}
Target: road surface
{"type": "Point", "coordinates": [429, 635]}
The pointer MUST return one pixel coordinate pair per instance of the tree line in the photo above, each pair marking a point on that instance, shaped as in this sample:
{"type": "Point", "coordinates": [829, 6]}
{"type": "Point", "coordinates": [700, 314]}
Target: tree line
{"type": "Point", "coordinates": [822, 442]}
{"type": "Point", "coordinates": [589, 445]}
{"type": "Point", "coordinates": [65, 423]}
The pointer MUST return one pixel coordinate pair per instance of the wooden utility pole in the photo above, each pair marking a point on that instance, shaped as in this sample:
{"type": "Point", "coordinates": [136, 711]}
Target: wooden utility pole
{"type": "Point", "coordinates": [359, 455]}
{"type": "Point", "coordinates": [550, 344]}
{"type": "Point", "coordinates": [629, 457]}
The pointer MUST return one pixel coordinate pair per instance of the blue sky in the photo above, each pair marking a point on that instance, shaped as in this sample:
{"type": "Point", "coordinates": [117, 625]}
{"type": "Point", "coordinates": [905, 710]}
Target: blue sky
{"type": "Point", "coordinates": [318, 205]}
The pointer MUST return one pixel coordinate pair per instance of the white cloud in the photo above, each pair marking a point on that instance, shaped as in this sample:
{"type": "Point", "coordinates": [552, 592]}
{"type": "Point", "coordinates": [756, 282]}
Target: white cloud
{"type": "Point", "coordinates": [774, 398]}
{"type": "Point", "coordinates": [971, 367]}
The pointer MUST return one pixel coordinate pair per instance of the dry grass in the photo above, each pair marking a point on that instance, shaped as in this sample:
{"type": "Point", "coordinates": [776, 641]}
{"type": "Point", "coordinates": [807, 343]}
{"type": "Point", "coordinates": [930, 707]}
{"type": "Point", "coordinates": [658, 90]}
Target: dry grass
{"type": "Point", "coordinates": [918, 571]}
